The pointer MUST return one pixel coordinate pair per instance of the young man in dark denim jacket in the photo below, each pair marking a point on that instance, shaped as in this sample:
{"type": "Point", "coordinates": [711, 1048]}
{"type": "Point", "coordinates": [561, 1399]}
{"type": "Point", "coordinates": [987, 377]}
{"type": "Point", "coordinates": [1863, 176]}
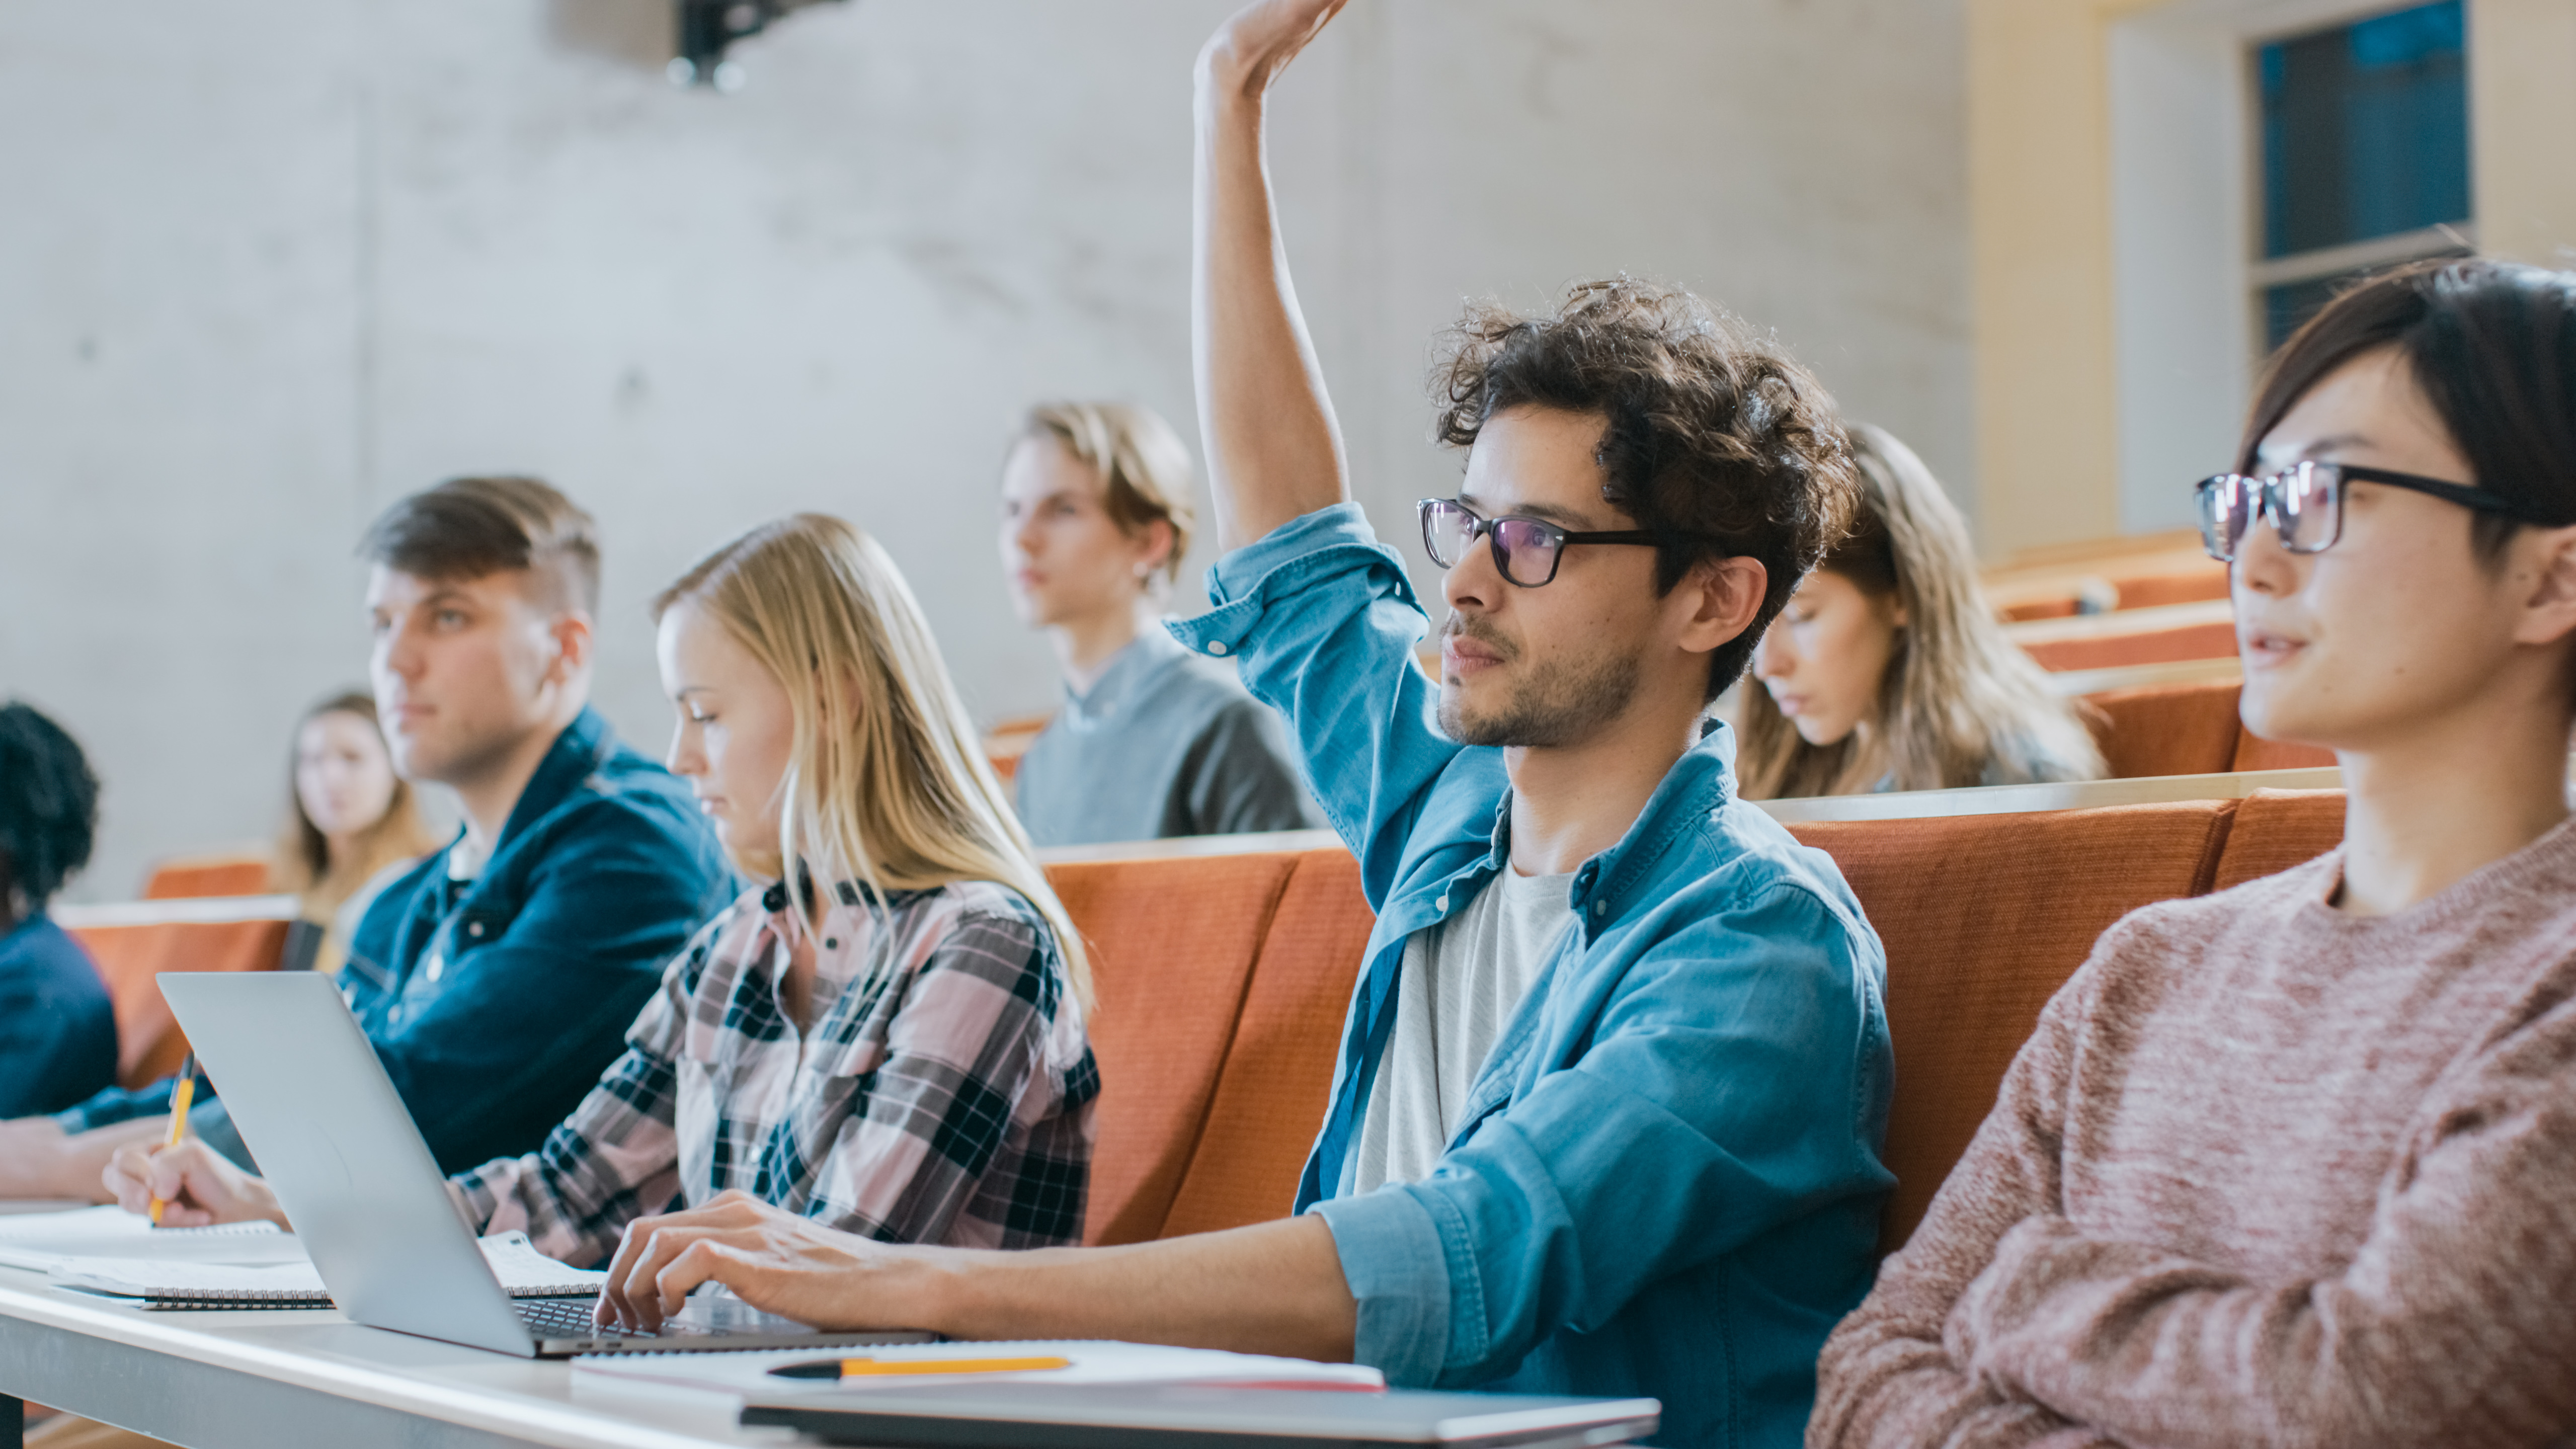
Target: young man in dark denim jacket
{"type": "Point", "coordinates": [497, 976]}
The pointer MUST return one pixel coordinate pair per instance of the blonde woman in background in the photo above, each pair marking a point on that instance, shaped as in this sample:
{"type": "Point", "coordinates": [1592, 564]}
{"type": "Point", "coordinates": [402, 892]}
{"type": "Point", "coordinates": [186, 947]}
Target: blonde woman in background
{"type": "Point", "coordinates": [1887, 670]}
{"type": "Point", "coordinates": [885, 1034]}
{"type": "Point", "coordinates": [351, 822]}
{"type": "Point", "coordinates": [1149, 739]}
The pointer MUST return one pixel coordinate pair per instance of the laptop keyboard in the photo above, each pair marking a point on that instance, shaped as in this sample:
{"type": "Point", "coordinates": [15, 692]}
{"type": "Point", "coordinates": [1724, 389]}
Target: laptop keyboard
{"type": "Point", "coordinates": [572, 1318]}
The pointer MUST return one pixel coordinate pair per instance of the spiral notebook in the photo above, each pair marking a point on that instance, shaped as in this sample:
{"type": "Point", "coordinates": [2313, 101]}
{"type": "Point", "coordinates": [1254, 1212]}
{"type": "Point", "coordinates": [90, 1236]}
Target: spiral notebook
{"type": "Point", "coordinates": [166, 1284]}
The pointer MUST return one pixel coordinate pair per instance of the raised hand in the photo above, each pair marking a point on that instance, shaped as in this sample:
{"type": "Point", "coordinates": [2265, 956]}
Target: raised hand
{"type": "Point", "coordinates": [772, 1259]}
{"type": "Point", "coordinates": [1250, 50]}
{"type": "Point", "coordinates": [196, 1184]}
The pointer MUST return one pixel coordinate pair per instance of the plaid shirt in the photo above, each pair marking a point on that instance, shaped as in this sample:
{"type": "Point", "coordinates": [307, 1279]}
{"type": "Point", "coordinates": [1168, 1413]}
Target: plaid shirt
{"type": "Point", "coordinates": [950, 1102]}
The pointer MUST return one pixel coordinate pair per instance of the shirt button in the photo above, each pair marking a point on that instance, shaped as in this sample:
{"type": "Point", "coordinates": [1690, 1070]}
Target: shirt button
{"type": "Point", "coordinates": [1600, 908]}
{"type": "Point", "coordinates": [1216, 646]}
{"type": "Point", "coordinates": [831, 943]}
{"type": "Point", "coordinates": [1441, 904]}
{"type": "Point", "coordinates": [474, 929]}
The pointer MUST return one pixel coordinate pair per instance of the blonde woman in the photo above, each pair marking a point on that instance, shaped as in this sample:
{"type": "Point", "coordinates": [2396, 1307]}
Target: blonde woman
{"type": "Point", "coordinates": [1887, 671]}
{"type": "Point", "coordinates": [886, 1034]}
{"type": "Point", "coordinates": [1149, 739]}
{"type": "Point", "coordinates": [350, 820]}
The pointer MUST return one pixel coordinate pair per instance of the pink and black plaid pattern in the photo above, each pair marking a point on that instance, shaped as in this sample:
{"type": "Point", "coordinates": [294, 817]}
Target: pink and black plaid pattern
{"type": "Point", "coordinates": [948, 1101]}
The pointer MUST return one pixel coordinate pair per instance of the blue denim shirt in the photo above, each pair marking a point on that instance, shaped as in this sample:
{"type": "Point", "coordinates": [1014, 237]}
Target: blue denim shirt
{"type": "Point", "coordinates": [1667, 1181]}
{"type": "Point", "coordinates": [497, 1002]}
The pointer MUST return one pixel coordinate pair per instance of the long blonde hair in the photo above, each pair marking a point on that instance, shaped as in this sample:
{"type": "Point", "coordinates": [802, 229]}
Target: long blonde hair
{"type": "Point", "coordinates": [886, 782]}
{"type": "Point", "coordinates": [1959, 704]}
{"type": "Point", "coordinates": [303, 866]}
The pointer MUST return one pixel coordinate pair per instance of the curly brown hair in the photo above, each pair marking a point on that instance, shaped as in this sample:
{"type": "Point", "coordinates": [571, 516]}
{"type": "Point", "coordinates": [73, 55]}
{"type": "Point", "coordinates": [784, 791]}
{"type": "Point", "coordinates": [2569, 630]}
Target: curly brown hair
{"type": "Point", "coordinates": [1716, 441]}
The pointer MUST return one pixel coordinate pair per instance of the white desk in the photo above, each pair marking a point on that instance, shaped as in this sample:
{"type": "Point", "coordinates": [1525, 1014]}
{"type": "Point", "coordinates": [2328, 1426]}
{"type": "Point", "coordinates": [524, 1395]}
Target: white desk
{"type": "Point", "coordinates": [311, 1379]}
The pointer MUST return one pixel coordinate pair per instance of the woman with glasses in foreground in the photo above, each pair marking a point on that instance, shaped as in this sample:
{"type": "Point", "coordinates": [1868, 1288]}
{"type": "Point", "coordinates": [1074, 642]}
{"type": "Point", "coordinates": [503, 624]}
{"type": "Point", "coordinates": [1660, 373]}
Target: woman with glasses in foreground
{"type": "Point", "coordinates": [2288, 1164]}
{"type": "Point", "coordinates": [1887, 671]}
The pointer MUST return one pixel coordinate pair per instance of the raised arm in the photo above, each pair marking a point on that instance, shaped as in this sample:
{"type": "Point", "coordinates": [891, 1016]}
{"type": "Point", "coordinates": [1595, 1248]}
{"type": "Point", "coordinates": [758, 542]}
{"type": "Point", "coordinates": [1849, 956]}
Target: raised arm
{"type": "Point", "coordinates": [1274, 451]}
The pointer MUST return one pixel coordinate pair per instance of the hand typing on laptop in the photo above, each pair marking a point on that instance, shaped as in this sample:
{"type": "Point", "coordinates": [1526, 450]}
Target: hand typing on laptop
{"type": "Point", "coordinates": [196, 1185]}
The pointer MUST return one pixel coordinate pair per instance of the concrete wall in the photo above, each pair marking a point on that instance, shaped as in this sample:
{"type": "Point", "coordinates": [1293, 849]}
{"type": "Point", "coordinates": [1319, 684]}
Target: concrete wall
{"type": "Point", "coordinates": [266, 265]}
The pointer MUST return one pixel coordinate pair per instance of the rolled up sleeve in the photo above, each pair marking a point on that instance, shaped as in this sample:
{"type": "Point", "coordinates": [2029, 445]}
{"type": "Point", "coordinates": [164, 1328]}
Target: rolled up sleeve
{"type": "Point", "coordinates": [1323, 622]}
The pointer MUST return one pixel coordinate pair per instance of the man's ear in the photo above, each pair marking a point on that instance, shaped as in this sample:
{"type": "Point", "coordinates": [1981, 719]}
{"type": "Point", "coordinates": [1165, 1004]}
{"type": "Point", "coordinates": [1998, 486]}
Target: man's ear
{"type": "Point", "coordinates": [573, 635]}
{"type": "Point", "coordinates": [2549, 611]}
{"type": "Point", "coordinates": [1720, 598]}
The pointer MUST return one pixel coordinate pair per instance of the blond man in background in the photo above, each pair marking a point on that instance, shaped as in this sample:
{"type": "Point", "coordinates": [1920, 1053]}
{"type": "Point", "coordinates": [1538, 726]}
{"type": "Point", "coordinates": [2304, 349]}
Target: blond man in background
{"type": "Point", "coordinates": [1150, 740]}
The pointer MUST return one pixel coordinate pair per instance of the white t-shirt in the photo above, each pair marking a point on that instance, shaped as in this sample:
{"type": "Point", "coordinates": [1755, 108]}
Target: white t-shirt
{"type": "Point", "coordinates": [1462, 979]}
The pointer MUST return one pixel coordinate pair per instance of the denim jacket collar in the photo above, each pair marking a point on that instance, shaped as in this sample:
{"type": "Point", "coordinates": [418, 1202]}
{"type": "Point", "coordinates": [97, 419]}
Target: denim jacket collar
{"type": "Point", "coordinates": [584, 745]}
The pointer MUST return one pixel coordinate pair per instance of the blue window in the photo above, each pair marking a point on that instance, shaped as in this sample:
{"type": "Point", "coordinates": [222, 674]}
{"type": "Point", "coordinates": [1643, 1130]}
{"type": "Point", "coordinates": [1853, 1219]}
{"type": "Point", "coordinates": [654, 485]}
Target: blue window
{"type": "Point", "coordinates": [2365, 134]}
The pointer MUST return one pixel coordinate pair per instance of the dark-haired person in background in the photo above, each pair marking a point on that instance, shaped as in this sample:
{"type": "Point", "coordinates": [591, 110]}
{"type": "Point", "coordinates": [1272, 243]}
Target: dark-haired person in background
{"type": "Point", "coordinates": [1151, 739]}
{"type": "Point", "coordinates": [497, 977]}
{"type": "Point", "coordinates": [1612, 1088]}
{"type": "Point", "coordinates": [2290, 1164]}
{"type": "Point", "coordinates": [57, 1033]}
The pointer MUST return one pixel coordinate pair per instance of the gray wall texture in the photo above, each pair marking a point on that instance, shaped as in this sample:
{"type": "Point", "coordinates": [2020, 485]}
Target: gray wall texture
{"type": "Point", "coordinates": [267, 265]}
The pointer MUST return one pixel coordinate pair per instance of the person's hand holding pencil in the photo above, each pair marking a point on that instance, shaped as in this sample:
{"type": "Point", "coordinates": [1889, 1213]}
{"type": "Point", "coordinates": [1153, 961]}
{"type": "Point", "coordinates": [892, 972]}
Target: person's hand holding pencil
{"type": "Point", "coordinates": [186, 1184]}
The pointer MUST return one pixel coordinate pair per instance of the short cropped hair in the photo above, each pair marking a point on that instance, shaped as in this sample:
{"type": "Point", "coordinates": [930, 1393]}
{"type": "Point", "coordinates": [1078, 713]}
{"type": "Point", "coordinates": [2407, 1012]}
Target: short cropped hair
{"type": "Point", "coordinates": [2493, 347]}
{"type": "Point", "coordinates": [1717, 442]}
{"type": "Point", "coordinates": [472, 528]}
{"type": "Point", "coordinates": [48, 808]}
{"type": "Point", "coordinates": [1144, 466]}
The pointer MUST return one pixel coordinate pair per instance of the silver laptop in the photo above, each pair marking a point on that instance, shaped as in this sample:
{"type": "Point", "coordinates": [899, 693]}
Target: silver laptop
{"type": "Point", "coordinates": [1200, 1416]}
{"type": "Point", "coordinates": [332, 1137]}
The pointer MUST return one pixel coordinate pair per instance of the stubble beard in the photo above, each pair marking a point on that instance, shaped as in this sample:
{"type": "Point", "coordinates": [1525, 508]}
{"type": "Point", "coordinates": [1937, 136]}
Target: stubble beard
{"type": "Point", "coordinates": [1557, 702]}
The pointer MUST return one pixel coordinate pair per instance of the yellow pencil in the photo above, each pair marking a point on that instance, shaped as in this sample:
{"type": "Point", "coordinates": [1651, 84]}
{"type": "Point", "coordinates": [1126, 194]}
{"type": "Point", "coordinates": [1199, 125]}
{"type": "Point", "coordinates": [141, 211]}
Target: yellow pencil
{"type": "Point", "coordinates": [852, 1368]}
{"type": "Point", "coordinates": [179, 1100]}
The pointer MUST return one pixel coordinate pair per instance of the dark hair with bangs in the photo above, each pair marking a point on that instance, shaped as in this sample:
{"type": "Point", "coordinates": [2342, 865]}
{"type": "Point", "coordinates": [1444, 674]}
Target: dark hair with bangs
{"type": "Point", "coordinates": [48, 810]}
{"type": "Point", "coordinates": [471, 528]}
{"type": "Point", "coordinates": [2493, 347]}
{"type": "Point", "coordinates": [1716, 441]}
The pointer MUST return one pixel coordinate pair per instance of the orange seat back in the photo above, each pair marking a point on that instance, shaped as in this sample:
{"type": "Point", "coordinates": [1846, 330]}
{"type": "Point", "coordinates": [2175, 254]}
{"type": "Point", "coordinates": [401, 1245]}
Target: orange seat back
{"type": "Point", "coordinates": [149, 1045]}
{"type": "Point", "coordinates": [2153, 646]}
{"type": "Point", "coordinates": [1172, 942]}
{"type": "Point", "coordinates": [1278, 1076]}
{"type": "Point", "coordinates": [2167, 729]}
{"type": "Point", "coordinates": [2277, 829]}
{"type": "Point", "coordinates": [241, 875]}
{"type": "Point", "coordinates": [1984, 917]}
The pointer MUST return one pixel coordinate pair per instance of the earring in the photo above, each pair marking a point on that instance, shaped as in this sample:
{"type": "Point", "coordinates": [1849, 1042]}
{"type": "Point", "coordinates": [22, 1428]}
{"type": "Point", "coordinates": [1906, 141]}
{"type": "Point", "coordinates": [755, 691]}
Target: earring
{"type": "Point", "coordinates": [1144, 571]}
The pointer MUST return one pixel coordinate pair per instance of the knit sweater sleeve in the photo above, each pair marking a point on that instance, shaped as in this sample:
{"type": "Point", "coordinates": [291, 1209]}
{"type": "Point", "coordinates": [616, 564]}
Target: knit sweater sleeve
{"type": "Point", "coordinates": [1890, 1375]}
{"type": "Point", "coordinates": [2451, 1325]}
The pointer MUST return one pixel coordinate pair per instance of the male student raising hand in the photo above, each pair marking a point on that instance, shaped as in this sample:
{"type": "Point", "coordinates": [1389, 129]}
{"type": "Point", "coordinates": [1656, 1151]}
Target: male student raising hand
{"type": "Point", "coordinates": [1609, 1100]}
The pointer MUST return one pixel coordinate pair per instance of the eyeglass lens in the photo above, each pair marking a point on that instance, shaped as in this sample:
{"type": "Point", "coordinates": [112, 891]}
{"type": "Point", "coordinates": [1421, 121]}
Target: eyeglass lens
{"type": "Point", "coordinates": [2305, 503]}
{"type": "Point", "coordinates": [1524, 550]}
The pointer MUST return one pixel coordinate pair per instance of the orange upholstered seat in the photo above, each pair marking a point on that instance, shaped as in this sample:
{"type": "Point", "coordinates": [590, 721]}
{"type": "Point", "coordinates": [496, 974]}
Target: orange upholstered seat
{"type": "Point", "coordinates": [2277, 829]}
{"type": "Point", "coordinates": [213, 875]}
{"type": "Point", "coordinates": [1172, 945]}
{"type": "Point", "coordinates": [1278, 1076]}
{"type": "Point", "coordinates": [2112, 648]}
{"type": "Point", "coordinates": [2170, 729]}
{"type": "Point", "coordinates": [149, 1045]}
{"type": "Point", "coordinates": [1984, 917]}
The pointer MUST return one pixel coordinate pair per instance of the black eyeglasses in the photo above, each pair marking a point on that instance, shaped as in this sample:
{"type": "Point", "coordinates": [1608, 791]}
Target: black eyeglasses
{"type": "Point", "coordinates": [1526, 550]}
{"type": "Point", "coordinates": [2305, 504]}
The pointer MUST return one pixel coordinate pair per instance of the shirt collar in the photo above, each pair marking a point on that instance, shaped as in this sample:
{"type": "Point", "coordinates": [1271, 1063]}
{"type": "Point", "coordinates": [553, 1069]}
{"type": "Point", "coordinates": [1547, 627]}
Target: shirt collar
{"type": "Point", "coordinates": [1126, 677]}
{"type": "Point", "coordinates": [582, 747]}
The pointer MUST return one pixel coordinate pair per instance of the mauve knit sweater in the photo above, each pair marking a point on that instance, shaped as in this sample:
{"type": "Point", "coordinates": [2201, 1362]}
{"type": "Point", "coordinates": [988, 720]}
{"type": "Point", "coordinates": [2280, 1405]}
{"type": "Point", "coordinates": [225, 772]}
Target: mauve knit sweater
{"type": "Point", "coordinates": [2266, 1174]}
